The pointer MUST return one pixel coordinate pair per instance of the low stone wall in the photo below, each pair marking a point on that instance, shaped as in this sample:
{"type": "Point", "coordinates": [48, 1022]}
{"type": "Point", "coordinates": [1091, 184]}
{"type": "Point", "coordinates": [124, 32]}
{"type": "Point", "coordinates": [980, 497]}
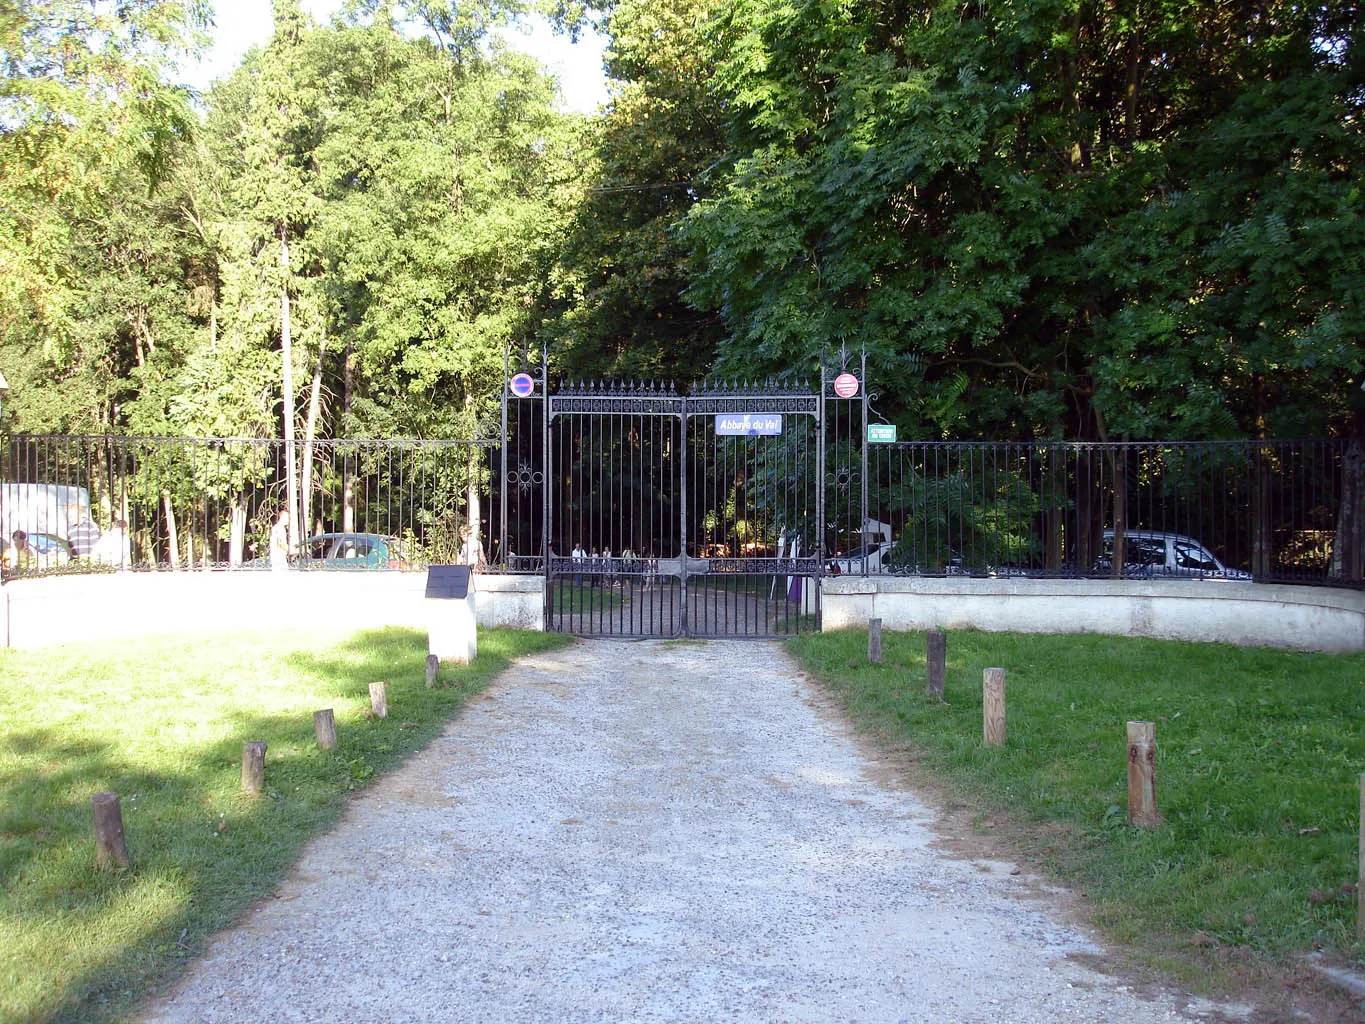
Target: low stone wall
{"type": "Point", "coordinates": [1247, 614]}
{"type": "Point", "coordinates": [64, 609]}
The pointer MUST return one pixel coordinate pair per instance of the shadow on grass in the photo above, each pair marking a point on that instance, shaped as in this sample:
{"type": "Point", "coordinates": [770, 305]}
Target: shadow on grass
{"type": "Point", "coordinates": [85, 944]}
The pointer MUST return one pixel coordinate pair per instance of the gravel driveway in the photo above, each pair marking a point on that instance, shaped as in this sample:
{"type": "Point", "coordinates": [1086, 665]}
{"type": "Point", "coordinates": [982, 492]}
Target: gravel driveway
{"type": "Point", "coordinates": [650, 832]}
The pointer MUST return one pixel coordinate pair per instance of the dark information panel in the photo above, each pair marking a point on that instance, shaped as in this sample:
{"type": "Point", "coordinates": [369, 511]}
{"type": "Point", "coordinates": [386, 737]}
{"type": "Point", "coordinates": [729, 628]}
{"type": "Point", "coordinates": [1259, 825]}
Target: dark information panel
{"type": "Point", "coordinates": [448, 581]}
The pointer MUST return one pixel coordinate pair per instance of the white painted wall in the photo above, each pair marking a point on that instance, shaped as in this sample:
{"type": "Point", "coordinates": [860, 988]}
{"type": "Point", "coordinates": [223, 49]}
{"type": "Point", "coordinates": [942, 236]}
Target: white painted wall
{"type": "Point", "coordinates": [62, 609]}
{"type": "Point", "coordinates": [1247, 614]}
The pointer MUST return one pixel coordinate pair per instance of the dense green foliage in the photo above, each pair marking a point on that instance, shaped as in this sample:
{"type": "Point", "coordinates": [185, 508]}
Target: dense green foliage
{"type": "Point", "coordinates": [1259, 757]}
{"type": "Point", "coordinates": [621, 305]}
{"type": "Point", "coordinates": [367, 209]}
{"type": "Point", "coordinates": [1052, 218]}
{"type": "Point", "coordinates": [164, 730]}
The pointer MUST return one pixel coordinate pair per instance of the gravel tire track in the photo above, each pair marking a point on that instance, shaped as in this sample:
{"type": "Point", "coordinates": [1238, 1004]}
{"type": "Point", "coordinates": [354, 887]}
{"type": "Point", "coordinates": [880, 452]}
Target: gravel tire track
{"type": "Point", "coordinates": [650, 832]}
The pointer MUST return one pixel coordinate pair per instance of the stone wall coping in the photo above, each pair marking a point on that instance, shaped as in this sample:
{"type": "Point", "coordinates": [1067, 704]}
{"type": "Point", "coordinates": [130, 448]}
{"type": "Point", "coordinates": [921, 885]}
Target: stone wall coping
{"type": "Point", "coordinates": [1194, 589]}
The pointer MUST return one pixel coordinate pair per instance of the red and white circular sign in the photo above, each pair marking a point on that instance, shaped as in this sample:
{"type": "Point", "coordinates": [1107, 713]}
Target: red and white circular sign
{"type": "Point", "coordinates": [845, 385]}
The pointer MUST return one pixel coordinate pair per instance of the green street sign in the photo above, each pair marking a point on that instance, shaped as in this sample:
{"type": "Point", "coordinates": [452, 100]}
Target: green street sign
{"type": "Point", "coordinates": [881, 433]}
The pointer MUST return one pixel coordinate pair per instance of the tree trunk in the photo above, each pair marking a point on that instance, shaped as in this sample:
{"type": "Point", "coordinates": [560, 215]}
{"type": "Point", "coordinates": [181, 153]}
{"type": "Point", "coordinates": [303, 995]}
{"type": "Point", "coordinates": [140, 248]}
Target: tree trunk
{"type": "Point", "coordinates": [309, 433]}
{"type": "Point", "coordinates": [1086, 547]}
{"type": "Point", "coordinates": [1118, 461]}
{"type": "Point", "coordinates": [1349, 550]}
{"type": "Point", "coordinates": [1261, 535]}
{"type": "Point", "coordinates": [347, 475]}
{"type": "Point", "coordinates": [1131, 128]}
{"type": "Point", "coordinates": [172, 534]}
{"type": "Point", "coordinates": [237, 531]}
{"type": "Point", "coordinates": [287, 387]}
{"type": "Point", "coordinates": [472, 493]}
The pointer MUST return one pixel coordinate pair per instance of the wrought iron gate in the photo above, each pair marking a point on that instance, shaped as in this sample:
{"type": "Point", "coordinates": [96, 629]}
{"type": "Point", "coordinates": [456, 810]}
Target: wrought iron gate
{"type": "Point", "coordinates": [666, 514]}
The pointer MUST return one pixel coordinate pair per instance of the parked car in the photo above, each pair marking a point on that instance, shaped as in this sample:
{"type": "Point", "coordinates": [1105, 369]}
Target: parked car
{"type": "Point", "coordinates": [49, 550]}
{"type": "Point", "coordinates": [1157, 554]}
{"type": "Point", "coordinates": [353, 551]}
{"type": "Point", "coordinates": [347, 551]}
{"type": "Point", "coordinates": [864, 559]}
{"type": "Point", "coordinates": [879, 558]}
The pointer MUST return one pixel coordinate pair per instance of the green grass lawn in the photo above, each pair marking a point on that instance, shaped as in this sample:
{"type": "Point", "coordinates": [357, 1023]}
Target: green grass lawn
{"type": "Point", "coordinates": [1260, 754]}
{"type": "Point", "coordinates": [161, 722]}
{"type": "Point", "coordinates": [568, 598]}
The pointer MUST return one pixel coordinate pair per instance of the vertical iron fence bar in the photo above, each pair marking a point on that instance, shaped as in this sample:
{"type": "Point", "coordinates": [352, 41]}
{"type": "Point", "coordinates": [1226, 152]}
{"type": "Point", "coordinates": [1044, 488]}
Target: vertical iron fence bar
{"type": "Point", "coordinates": [682, 515]}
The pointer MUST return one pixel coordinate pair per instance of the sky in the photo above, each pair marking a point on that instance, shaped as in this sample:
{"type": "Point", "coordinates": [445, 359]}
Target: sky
{"type": "Point", "coordinates": [241, 24]}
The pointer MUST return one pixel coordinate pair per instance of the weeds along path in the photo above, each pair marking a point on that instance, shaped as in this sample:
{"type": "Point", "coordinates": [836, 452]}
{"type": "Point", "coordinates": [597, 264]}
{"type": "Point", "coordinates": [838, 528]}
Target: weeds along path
{"type": "Point", "coordinates": [650, 832]}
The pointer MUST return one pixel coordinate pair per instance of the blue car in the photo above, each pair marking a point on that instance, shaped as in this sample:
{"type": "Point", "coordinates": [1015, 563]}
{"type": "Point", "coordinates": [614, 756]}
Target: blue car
{"type": "Point", "coordinates": [353, 551]}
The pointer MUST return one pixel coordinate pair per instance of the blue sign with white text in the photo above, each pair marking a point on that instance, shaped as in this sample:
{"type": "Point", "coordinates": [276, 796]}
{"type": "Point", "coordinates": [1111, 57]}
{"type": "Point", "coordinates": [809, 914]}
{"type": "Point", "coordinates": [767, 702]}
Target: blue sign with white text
{"type": "Point", "coordinates": [748, 424]}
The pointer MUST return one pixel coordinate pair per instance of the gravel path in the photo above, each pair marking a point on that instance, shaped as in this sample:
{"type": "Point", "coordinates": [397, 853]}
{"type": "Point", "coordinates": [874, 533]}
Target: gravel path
{"type": "Point", "coordinates": [649, 832]}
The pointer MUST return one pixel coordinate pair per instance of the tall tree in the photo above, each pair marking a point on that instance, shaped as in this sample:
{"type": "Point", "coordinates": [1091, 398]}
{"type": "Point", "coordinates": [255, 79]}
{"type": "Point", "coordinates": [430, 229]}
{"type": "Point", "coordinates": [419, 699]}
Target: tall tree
{"type": "Point", "coordinates": [621, 283]}
{"type": "Point", "coordinates": [88, 124]}
{"type": "Point", "coordinates": [1083, 220]}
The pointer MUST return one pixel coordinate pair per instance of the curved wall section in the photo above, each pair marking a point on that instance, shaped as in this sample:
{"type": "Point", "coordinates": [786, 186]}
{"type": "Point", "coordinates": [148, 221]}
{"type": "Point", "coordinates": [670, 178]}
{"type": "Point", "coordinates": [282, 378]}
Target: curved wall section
{"type": "Point", "coordinates": [66, 609]}
{"type": "Point", "coordinates": [1246, 614]}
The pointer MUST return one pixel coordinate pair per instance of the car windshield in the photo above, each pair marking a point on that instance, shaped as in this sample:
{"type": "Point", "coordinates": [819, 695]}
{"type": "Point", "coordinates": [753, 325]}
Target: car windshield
{"type": "Point", "coordinates": [1192, 556]}
{"type": "Point", "coordinates": [1139, 550]}
{"type": "Point", "coordinates": [353, 547]}
{"type": "Point", "coordinates": [320, 547]}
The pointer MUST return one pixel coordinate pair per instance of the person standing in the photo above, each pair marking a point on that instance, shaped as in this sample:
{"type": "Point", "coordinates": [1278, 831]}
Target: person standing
{"type": "Point", "coordinates": [577, 556]}
{"type": "Point", "coordinates": [279, 542]}
{"type": "Point", "coordinates": [471, 551]}
{"type": "Point", "coordinates": [18, 555]}
{"type": "Point", "coordinates": [82, 534]}
{"type": "Point", "coordinates": [114, 548]}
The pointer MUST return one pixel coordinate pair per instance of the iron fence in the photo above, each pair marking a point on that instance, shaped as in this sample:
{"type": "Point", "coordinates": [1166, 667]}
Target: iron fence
{"type": "Point", "coordinates": [1272, 511]}
{"type": "Point", "coordinates": [189, 503]}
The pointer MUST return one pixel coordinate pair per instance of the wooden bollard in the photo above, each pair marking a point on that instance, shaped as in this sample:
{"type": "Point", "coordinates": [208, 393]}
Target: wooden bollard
{"type": "Point", "coordinates": [874, 641]}
{"type": "Point", "coordinates": [253, 767]}
{"type": "Point", "coordinates": [935, 662]}
{"type": "Point", "coordinates": [379, 699]}
{"type": "Point", "coordinates": [1142, 810]}
{"type": "Point", "coordinates": [993, 706]}
{"type": "Point", "coordinates": [324, 724]}
{"type": "Point", "coordinates": [433, 667]}
{"type": "Point", "coordinates": [107, 816]}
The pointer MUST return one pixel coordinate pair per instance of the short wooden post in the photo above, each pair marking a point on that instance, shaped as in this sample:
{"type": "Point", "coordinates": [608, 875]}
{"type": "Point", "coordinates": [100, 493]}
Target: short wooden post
{"type": "Point", "coordinates": [874, 641]}
{"type": "Point", "coordinates": [1142, 810]}
{"type": "Point", "coordinates": [253, 767]}
{"type": "Point", "coordinates": [107, 817]}
{"type": "Point", "coordinates": [433, 667]}
{"type": "Point", "coordinates": [993, 706]}
{"type": "Point", "coordinates": [1360, 866]}
{"type": "Point", "coordinates": [379, 699]}
{"type": "Point", "coordinates": [935, 662]}
{"type": "Point", "coordinates": [324, 724]}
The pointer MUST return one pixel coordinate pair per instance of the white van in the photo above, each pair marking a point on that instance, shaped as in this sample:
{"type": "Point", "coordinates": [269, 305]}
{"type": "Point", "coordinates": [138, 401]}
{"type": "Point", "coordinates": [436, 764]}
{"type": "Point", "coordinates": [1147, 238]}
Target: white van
{"type": "Point", "coordinates": [40, 508]}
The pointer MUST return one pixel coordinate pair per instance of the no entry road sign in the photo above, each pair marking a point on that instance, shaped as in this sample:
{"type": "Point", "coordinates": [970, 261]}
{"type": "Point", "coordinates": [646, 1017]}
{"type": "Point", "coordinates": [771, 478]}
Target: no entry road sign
{"type": "Point", "coordinates": [523, 385]}
{"type": "Point", "coordinates": [845, 385]}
